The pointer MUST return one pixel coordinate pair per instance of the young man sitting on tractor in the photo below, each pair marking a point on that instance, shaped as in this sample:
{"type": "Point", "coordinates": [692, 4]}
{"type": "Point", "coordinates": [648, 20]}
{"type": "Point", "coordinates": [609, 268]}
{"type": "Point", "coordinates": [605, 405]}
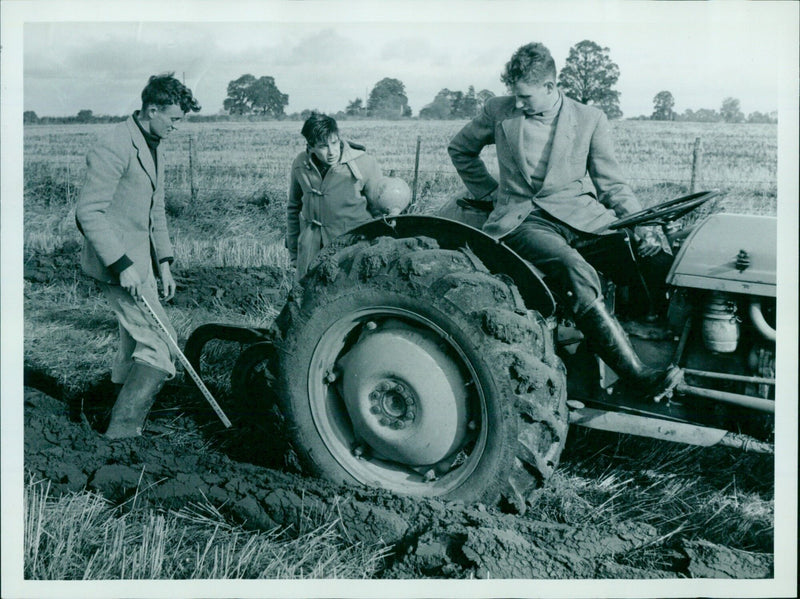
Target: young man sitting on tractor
{"type": "Point", "coordinates": [560, 184]}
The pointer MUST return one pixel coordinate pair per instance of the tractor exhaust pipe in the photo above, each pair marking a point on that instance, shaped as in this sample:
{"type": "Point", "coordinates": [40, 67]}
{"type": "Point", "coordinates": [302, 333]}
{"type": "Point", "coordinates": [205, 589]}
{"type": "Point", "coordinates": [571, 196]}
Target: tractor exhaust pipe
{"type": "Point", "coordinates": [759, 322]}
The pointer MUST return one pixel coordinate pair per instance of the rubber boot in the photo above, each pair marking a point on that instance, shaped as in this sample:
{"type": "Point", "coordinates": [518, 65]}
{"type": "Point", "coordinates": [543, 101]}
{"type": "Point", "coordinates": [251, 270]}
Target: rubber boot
{"type": "Point", "coordinates": [134, 401]}
{"type": "Point", "coordinates": [608, 340]}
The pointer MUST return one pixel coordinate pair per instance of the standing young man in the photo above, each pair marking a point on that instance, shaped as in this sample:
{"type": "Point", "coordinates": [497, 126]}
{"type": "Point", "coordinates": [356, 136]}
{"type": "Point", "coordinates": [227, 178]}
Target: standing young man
{"type": "Point", "coordinates": [559, 184]}
{"type": "Point", "coordinates": [120, 213]}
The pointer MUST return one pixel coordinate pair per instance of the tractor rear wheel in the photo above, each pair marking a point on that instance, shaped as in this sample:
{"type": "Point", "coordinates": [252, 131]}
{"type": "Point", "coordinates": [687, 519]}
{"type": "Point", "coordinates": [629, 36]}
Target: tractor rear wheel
{"type": "Point", "coordinates": [412, 368]}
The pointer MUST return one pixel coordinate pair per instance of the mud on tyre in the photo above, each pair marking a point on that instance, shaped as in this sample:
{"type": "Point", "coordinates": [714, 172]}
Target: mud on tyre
{"type": "Point", "coordinates": [405, 366]}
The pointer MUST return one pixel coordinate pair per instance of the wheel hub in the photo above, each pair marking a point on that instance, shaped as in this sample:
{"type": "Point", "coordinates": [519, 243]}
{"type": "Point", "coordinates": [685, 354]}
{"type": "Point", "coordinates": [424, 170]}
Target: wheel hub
{"type": "Point", "coordinates": [393, 404]}
{"type": "Point", "coordinates": [405, 396]}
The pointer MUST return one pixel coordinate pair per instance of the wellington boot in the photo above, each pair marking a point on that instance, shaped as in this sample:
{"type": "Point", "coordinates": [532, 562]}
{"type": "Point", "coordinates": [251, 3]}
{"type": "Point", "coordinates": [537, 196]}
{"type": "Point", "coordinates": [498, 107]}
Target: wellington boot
{"type": "Point", "coordinates": [608, 339]}
{"type": "Point", "coordinates": [134, 401]}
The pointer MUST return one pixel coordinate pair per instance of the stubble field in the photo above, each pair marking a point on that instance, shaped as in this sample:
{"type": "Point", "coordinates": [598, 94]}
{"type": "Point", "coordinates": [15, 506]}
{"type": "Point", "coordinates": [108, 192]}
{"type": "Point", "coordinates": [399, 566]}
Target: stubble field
{"type": "Point", "coordinates": [618, 507]}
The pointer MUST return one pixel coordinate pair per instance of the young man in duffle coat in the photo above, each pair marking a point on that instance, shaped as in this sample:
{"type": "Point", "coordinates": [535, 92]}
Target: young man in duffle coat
{"type": "Point", "coordinates": [120, 212]}
{"type": "Point", "coordinates": [559, 184]}
{"type": "Point", "coordinates": [331, 189]}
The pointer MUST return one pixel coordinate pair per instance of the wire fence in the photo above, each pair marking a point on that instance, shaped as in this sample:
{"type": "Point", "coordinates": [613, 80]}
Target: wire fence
{"type": "Point", "coordinates": [205, 166]}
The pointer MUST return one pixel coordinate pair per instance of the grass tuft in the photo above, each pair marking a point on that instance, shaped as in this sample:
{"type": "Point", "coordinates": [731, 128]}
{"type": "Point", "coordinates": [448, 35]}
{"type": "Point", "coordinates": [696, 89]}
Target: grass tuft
{"type": "Point", "coordinates": [81, 536]}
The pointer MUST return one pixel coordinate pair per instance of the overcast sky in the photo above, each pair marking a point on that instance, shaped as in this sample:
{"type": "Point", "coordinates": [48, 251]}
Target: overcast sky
{"type": "Point", "coordinates": [324, 55]}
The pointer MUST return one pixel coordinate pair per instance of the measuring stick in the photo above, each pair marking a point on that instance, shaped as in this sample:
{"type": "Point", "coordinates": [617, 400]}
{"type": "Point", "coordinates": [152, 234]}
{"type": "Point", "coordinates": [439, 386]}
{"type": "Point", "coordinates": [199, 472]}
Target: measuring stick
{"type": "Point", "coordinates": [187, 365]}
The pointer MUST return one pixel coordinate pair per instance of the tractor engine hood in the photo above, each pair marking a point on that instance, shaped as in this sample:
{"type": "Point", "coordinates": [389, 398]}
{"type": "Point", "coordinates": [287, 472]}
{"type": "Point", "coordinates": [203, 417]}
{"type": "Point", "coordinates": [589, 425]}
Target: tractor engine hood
{"type": "Point", "coordinates": [736, 253]}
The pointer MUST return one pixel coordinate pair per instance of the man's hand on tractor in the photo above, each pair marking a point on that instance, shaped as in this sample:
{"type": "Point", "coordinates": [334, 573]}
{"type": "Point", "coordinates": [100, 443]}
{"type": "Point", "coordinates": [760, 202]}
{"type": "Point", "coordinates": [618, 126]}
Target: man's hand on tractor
{"type": "Point", "coordinates": [131, 282]}
{"type": "Point", "coordinates": [651, 240]}
{"type": "Point", "coordinates": [168, 286]}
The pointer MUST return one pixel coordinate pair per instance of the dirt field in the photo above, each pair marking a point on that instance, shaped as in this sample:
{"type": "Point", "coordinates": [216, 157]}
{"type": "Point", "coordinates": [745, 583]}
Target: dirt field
{"type": "Point", "coordinates": [186, 456]}
{"type": "Point", "coordinates": [617, 507]}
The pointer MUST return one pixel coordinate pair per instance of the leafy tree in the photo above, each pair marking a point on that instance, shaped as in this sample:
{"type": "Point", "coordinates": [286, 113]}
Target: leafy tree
{"type": "Point", "coordinates": [663, 103]}
{"type": "Point", "coordinates": [454, 104]}
{"type": "Point", "coordinates": [589, 76]}
{"type": "Point", "coordinates": [440, 108]}
{"type": "Point", "coordinates": [482, 97]}
{"type": "Point", "coordinates": [466, 105]}
{"type": "Point", "coordinates": [265, 97]}
{"type": "Point", "coordinates": [29, 117]}
{"type": "Point", "coordinates": [704, 115]}
{"type": "Point", "coordinates": [304, 114]}
{"type": "Point", "coordinates": [356, 108]}
{"type": "Point", "coordinates": [759, 118]}
{"type": "Point", "coordinates": [84, 116]}
{"type": "Point", "coordinates": [238, 101]}
{"type": "Point", "coordinates": [388, 99]}
{"type": "Point", "coordinates": [730, 111]}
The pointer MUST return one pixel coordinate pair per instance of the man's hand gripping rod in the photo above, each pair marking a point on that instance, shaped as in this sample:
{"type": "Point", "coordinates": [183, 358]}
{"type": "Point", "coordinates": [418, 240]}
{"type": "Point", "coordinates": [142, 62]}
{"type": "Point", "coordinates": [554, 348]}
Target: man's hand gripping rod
{"type": "Point", "coordinates": [187, 365]}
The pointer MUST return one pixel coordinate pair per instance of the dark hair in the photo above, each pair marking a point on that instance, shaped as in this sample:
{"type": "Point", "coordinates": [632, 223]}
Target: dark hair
{"type": "Point", "coordinates": [531, 63]}
{"type": "Point", "coordinates": [165, 90]}
{"type": "Point", "coordinates": [318, 128]}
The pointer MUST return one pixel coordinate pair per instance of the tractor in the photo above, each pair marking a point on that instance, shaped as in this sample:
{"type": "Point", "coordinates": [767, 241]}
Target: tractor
{"type": "Point", "coordinates": [421, 356]}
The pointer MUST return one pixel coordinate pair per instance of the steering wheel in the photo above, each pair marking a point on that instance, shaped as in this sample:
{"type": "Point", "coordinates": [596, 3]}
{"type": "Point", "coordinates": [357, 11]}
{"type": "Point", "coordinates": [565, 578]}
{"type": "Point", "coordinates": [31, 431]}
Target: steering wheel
{"type": "Point", "coordinates": [666, 212]}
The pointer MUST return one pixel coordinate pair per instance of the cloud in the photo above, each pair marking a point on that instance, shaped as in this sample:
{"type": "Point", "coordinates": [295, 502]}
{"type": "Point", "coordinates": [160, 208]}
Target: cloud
{"type": "Point", "coordinates": [321, 48]}
{"type": "Point", "coordinates": [415, 50]}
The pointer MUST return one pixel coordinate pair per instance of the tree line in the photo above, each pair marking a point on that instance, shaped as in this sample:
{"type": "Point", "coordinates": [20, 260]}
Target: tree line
{"type": "Point", "coordinates": [729, 112]}
{"type": "Point", "coordinates": [589, 76]}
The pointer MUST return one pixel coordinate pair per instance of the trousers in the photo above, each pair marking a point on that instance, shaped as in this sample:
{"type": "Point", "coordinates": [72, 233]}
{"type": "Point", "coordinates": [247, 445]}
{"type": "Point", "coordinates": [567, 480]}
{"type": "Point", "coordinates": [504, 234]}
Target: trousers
{"type": "Point", "coordinates": [547, 244]}
{"type": "Point", "coordinates": [140, 339]}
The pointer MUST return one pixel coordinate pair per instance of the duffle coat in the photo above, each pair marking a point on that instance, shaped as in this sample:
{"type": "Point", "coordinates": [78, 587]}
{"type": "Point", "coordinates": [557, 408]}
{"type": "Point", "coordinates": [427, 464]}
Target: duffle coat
{"type": "Point", "coordinates": [320, 208]}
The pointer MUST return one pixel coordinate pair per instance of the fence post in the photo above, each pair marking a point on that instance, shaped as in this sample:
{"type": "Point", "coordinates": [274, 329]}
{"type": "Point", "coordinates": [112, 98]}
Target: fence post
{"type": "Point", "coordinates": [192, 167]}
{"type": "Point", "coordinates": [416, 173]}
{"type": "Point", "coordinates": [697, 160]}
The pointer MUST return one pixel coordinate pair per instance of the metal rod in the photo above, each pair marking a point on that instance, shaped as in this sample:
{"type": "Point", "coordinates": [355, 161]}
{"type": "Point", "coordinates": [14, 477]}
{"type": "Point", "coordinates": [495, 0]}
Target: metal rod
{"type": "Point", "coordinates": [730, 377]}
{"type": "Point", "coordinates": [186, 364]}
{"type": "Point", "coordinates": [645, 426]}
{"type": "Point", "coordinates": [656, 428]}
{"type": "Point", "coordinates": [756, 403]}
{"type": "Point", "coordinates": [676, 358]}
{"type": "Point", "coordinates": [746, 443]}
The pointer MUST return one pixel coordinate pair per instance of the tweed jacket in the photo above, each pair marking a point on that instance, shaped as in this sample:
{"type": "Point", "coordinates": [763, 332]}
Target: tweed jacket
{"type": "Point", "coordinates": [120, 210]}
{"type": "Point", "coordinates": [320, 209]}
{"type": "Point", "coordinates": [583, 186]}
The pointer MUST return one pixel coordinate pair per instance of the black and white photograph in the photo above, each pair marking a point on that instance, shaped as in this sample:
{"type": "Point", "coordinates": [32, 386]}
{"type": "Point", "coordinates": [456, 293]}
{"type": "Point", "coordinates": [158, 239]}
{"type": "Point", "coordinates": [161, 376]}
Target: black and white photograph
{"type": "Point", "coordinates": [399, 299]}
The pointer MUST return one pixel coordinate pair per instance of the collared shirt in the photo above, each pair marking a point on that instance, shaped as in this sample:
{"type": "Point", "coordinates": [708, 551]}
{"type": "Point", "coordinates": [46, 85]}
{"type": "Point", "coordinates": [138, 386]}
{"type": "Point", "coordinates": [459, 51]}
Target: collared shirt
{"type": "Point", "coordinates": [538, 131]}
{"type": "Point", "coordinates": [151, 140]}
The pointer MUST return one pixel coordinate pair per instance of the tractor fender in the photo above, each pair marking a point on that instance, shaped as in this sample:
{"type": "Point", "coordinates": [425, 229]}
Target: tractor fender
{"type": "Point", "coordinates": [453, 235]}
